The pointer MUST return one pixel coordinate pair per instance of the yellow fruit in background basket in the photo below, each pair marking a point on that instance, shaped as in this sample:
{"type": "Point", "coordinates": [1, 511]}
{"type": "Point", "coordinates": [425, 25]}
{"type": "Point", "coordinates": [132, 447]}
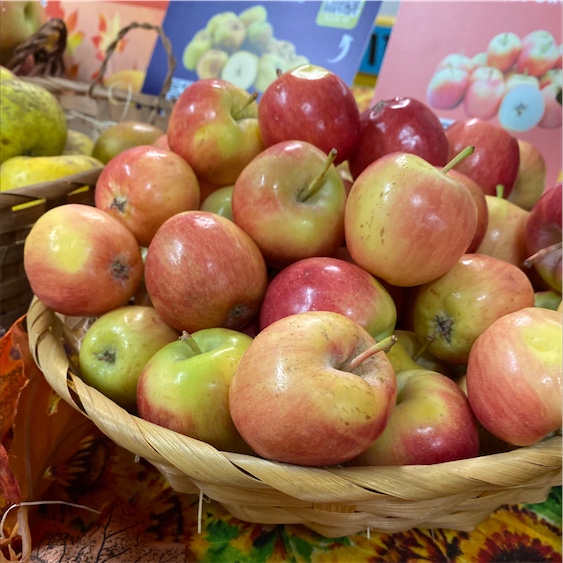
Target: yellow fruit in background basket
{"type": "Point", "coordinates": [20, 171]}
{"type": "Point", "coordinates": [6, 73]}
{"type": "Point", "coordinates": [33, 121]}
{"type": "Point", "coordinates": [125, 79]}
{"type": "Point", "coordinates": [122, 136]}
{"type": "Point", "coordinates": [78, 143]}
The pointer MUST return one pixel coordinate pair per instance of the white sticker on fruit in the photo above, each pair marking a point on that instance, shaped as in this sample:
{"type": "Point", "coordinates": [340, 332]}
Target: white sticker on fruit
{"type": "Point", "coordinates": [521, 108]}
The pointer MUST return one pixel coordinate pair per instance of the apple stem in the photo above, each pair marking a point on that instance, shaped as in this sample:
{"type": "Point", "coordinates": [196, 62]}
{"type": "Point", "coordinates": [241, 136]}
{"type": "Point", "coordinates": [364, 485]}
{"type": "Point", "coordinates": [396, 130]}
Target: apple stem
{"type": "Point", "coordinates": [422, 349]}
{"type": "Point", "coordinates": [458, 158]}
{"type": "Point", "coordinates": [382, 345]}
{"type": "Point", "coordinates": [315, 185]}
{"type": "Point", "coordinates": [251, 98]}
{"type": "Point", "coordinates": [541, 253]}
{"type": "Point", "coordinates": [188, 339]}
{"type": "Point", "coordinates": [499, 189]}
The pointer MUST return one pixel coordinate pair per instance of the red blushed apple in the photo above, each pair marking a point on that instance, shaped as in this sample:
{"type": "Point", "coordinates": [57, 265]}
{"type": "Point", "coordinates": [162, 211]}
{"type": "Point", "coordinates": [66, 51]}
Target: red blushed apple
{"type": "Point", "coordinates": [543, 237]}
{"type": "Point", "coordinates": [80, 261]}
{"type": "Point", "coordinates": [203, 271]}
{"type": "Point", "coordinates": [482, 98]}
{"type": "Point", "coordinates": [407, 222]}
{"type": "Point", "coordinates": [214, 127]}
{"type": "Point", "coordinates": [447, 88]}
{"type": "Point", "coordinates": [489, 73]}
{"type": "Point", "coordinates": [455, 309]}
{"type": "Point", "coordinates": [505, 237]}
{"type": "Point", "coordinates": [399, 125]}
{"type": "Point", "coordinates": [312, 389]}
{"type": "Point", "coordinates": [553, 76]}
{"type": "Point", "coordinates": [553, 114]}
{"type": "Point", "coordinates": [503, 51]}
{"type": "Point", "coordinates": [530, 182]}
{"type": "Point", "coordinates": [144, 186]}
{"type": "Point", "coordinates": [537, 56]}
{"type": "Point", "coordinates": [431, 423]}
{"type": "Point", "coordinates": [330, 284]}
{"type": "Point", "coordinates": [312, 104]}
{"type": "Point", "coordinates": [290, 200]}
{"type": "Point", "coordinates": [514, 376]}
{"type": "Point", "coordinates": [162, 142]}
{"type": "Point", "coordinates": [496, 158]}
{"type": "Point", "coordinates": [456, 60]}
{"type": "Point", "coordinates": [481, 204]}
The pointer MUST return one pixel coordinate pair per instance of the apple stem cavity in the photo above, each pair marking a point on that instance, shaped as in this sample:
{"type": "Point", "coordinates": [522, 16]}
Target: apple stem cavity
{"type": "Point", "coordinates": [119, 202]}
{"type": "Point", "coordinates": [429, 339]}
{"type": "Point", "coordinates": [530, 261]}
{"type": "Point", "coordinates": [238, 114]}
{"type": "Point", "coordinates": [120, 270]}
{"type": "Point", "coordinates": [316, 184]}
{"type": "Point", "coordinates": [458, 158]}
{"type": "Point", "coordinates": [381, 346]}
{"type": "Point", "coordinates": [499, 189]}
{"type": "Point", "coordinates": [189, 340]}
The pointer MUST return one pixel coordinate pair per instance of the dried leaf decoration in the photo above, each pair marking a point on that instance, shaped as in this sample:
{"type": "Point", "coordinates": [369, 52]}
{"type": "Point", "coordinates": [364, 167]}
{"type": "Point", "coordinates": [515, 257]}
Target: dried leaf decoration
{"type": "Point", "coordinates": [44, 431]}
{"type": "Point", "coordinates": [117, 537]}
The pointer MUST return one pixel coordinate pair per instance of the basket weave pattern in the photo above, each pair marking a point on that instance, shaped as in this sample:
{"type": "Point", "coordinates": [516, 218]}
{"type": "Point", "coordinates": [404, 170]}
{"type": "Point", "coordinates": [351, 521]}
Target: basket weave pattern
{"type": "Point", "coordinates": [334, 501]}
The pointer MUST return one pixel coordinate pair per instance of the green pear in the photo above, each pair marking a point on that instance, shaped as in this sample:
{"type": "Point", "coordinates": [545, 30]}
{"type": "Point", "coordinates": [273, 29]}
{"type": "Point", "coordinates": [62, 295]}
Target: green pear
{"type": "Point", "coordinates": [33, 121]}
{"type": "Point", "coordinates": [124, 135]}
{"type": "Point", "coordinates": [78, 142]}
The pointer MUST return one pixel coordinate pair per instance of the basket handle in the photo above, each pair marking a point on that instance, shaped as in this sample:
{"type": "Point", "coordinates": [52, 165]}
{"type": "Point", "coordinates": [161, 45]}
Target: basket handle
{"type": "Point", "coordinates": [167, 47]}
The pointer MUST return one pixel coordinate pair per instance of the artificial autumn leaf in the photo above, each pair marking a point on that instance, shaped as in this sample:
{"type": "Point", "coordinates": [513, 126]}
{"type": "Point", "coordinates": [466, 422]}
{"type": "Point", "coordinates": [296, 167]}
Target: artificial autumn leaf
{"type": "Point", "coordinates": [8, 484]}
{"type": "Point", "coordinates": [117, 537]}
{"type": "Point", "coordinates": [46, 430]}
{"type": "Point", "coordinates": [12, 380]}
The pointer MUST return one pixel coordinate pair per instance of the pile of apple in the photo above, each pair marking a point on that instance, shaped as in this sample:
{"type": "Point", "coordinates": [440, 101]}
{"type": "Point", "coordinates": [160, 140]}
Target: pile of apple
{"type": "Point", "coordinates": [363, 292]}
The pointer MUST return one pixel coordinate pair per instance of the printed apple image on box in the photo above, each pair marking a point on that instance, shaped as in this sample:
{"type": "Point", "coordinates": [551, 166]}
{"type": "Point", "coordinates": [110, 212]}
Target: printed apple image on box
{"type": "Point", "coordinates": [508, 80]}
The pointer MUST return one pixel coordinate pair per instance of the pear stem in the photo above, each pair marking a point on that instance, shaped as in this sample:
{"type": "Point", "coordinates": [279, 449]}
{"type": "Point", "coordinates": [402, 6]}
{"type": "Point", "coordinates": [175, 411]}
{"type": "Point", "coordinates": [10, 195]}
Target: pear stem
{"type": "Point", "coordinates": [458, 158]}
{"type": "Point", "coordinates": [382, 345]}
{"type": "Point", "coordinates": [251, 98]}
{"type": "Point", "coordinates": [499, 189]}
{"type": "Point", "coordinates": [315, 185]}
{"type": "Point", "coordinates": [422, 349]}
{"type": "Point", "coordinates": [542, 253]}
{"type": "Point", "coordinates": [188, 339]}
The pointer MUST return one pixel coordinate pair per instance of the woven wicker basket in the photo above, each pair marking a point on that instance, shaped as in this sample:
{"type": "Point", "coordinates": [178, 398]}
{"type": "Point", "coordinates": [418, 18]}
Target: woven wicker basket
{"type": "Point", "coordinates": [332, 501]}
{"type": "Point", "coordinates": [89, 108]}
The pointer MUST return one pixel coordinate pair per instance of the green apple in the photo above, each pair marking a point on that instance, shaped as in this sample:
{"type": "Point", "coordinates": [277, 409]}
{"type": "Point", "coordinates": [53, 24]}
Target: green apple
{"type": "Point", "coordinates": [116, 348]}
{"type": "Point", "coordinates": [200, 43]}
{"type": "Point", "coordinates": [255, 14]}
{"type": "Point", "coordinates": [229, 35]}
{"type": "Point", "coordinates": [18, 21]}
{"type": "Point", "coordinates": [220, 202]}
{"type": "Point", "coordinates": [78, 142]}
{"type": "Point", "coordinates": [548, 299]}
{"type": "Point", "coordinates": [124, 135]}
{"type": "Point", "coordinates": [33, 121]}
{"type": "Point", "coordinates": [185, 386]}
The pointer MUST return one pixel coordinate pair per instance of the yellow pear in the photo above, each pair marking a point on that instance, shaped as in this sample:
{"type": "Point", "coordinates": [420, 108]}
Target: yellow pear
{"type": "Point", "coordinates": [20, 171]}
{"type": "Point", "coordinates": [33, 121]}
{"type": "Point", "coordinates": [78, 142]}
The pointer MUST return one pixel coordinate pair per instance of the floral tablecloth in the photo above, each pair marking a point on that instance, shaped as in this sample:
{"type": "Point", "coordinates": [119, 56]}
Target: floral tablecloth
{"type": "Point", "coordinates": [100, 504]}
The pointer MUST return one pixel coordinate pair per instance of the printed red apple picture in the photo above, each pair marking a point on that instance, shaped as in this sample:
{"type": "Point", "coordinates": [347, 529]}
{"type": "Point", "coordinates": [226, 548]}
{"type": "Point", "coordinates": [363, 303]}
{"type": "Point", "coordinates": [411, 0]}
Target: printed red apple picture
{"type": "Point", "coordinates": [515, 79]}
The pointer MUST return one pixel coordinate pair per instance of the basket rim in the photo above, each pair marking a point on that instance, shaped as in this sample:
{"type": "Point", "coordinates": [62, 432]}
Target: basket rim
{"type": "Point", "coordinates": [543, 458]}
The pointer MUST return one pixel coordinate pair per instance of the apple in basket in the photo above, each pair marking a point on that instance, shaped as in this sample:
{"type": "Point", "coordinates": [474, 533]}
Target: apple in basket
{"type": "Point", "coordinates": [80, 261]}
{"type": "Point", "coordinates": [185, 386]}
{"type": "Point", "coordinates": [203, 271]}
{"type": "Point", "coordinates": [290, 199]}
{"type": "Point", "coordinates": [432, 422]}
{"type": "Point", "coordinates": [399, 125]}
{"type": "Point", "coordinates": [143, 186]}
{"type": "Point", "coordinates": [514, 376]}
{"type": "Point", "coordinates": [456, 308]}
{"type": "Point", "coordinates": [214, 127]}
{"type": "Point", "coordinates": [116, 348]}
{"type": "Point", "coordinates": [310, 103]}
{"type": "Point", "coordinates": [330, 284]}
{"type": "Point", "coordinates": [313, 389]}
{"type": "Point", "coordinates": [407, 222]}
